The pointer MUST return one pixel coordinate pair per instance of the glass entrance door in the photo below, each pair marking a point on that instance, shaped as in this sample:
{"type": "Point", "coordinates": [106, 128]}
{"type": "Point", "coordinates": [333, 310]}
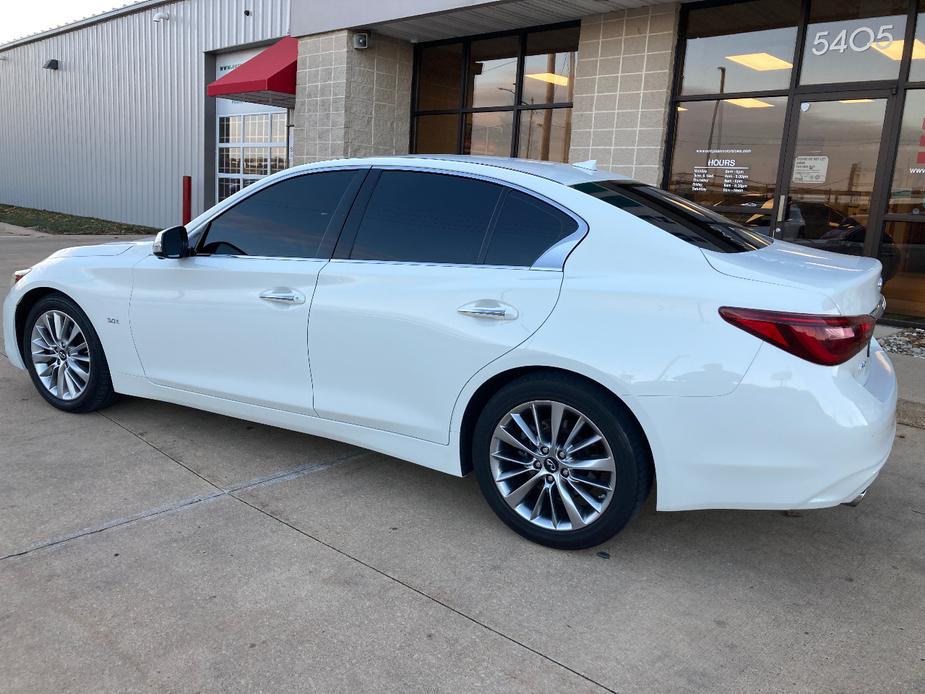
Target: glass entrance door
{"type": "Point", "coordinates": [830, 177]}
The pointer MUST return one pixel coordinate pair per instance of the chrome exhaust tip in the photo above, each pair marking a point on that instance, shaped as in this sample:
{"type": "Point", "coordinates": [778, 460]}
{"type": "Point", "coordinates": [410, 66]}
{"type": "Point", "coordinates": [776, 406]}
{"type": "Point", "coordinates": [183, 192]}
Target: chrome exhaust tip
{"type": "Point", "coordinates": [856, 500]}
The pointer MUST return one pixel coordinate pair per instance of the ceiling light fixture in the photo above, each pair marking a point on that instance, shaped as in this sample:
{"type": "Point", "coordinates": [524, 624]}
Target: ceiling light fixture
{"type": "Point", "coordinates": [894, 49]}
{"type": "Point", "coordinates": [855, 101]}
{"type": "Point", "coordinates": [549, 77]}
{"type": "Point", "coordinates": [749, 103]}
{"type": "Point", "coordinates": [762, 62]}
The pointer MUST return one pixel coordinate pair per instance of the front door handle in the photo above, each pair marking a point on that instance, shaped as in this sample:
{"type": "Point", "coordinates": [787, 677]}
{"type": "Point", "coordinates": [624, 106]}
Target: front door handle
{"type": "Point", "coordinates": [283, 296]}
{"type": "Point", "coordinates": [494, 310]}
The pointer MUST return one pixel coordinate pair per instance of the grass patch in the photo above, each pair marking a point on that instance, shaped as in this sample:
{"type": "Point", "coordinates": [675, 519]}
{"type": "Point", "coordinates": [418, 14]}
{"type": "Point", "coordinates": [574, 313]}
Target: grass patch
{"type": "Point", "coordinates": [58, 223]}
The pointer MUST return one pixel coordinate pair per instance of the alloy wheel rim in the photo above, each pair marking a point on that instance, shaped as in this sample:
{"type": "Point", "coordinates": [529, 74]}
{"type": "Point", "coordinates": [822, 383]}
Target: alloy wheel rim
{"type": "Point", "coordinates": [552, 465]}
{"type": "Point", "coordinates": [60, 355]}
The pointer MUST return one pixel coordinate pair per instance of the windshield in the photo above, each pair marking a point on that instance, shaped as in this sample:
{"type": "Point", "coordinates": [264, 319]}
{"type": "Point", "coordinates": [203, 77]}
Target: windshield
{"type": "Point", "coordinates": [679, 217]}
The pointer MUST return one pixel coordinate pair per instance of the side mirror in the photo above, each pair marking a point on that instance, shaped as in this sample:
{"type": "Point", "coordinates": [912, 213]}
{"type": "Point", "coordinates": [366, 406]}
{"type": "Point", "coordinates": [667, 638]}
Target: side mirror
{"type": "Point", "coordinates": [172, 243]}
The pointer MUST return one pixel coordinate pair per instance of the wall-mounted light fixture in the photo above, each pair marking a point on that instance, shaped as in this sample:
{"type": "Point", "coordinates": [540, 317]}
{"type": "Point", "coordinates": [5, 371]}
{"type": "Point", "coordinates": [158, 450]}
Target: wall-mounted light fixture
{"type": "Point", "coordinates": [161, 17]}
{"type": "Point", "coordinates": [361, 40]}
{"type": "Point", "coordinates": [51, 64]}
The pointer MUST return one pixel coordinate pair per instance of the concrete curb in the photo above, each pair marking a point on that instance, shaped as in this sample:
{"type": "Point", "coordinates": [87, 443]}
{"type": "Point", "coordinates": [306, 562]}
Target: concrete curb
{"type": "Point", "coordinates": [910, 413]}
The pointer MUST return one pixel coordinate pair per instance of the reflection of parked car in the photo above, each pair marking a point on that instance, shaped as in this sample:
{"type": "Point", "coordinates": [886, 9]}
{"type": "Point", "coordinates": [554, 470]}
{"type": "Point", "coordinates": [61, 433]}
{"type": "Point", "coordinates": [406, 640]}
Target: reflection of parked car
{"type": "Point", "coordinates": [848, 237]}
{"type": "Point", "coordinates": [813, 224]}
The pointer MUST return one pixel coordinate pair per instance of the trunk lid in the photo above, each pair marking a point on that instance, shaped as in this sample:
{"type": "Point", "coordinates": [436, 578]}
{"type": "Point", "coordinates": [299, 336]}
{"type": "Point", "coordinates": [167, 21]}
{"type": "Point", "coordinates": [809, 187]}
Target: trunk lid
{"type": "Point", "coordinates": [851, 282]}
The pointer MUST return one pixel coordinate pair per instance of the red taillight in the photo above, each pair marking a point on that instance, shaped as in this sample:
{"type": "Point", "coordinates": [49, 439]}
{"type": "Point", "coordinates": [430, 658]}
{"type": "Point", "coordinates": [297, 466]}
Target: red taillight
{"type": "Point", "coordinates": [826, 340]}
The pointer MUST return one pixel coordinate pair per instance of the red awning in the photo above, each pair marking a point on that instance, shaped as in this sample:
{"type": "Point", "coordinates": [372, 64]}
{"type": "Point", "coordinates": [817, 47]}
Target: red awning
{"type": "Point", "coordinates": [268, 78]}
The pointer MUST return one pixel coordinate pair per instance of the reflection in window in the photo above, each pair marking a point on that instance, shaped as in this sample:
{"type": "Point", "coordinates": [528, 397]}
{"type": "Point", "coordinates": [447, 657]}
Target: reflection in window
{"type": "Point", "coordinates": [907, 194]}
{"type": "Point", "coordinates": [229, 160]}
{"type": "Point", "coordinates": [545, 134]}
{"type": "Point", "coordinates": [493, 72]}
{"type": "Point", "coordinates": [745, 46]}
{"type": "Point", "coordinates": [278, 132]}
{"type": "Point", "coordinates": [917, 71]}
{"type": "Point", "coordinates": [229, 129]}
{"type": "Point", "coordinates": [835, 162]}
{"type": "Point", "coordinates": [853, 40]}
{"type": "Point", "coordinates": [440, 77]}
{"type": "Point", "coordinates": [726, 156]}
{"type": "Point", "coordinates": [902, 253]}
{"type": "Point", "coordinates": [436, 134]}
{"type": "Point", "coordinates": [256, 161]}
{"type": "Point", "coordinates": [489, 133]}
{"type": "Point", "coordinates": [549, 72]}
{"type": "Point", "coordinates": [257, 128]}
{"type": "Point", "coordinates": [277, 159]}
{"type": "Point", "coordinates": [228, 187]}
{"type": "Point", "coordinates": [498, 96]}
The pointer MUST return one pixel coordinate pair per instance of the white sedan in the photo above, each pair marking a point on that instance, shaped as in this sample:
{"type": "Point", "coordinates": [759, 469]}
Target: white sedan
{"type": "Point", "coordinates": [570, 335]}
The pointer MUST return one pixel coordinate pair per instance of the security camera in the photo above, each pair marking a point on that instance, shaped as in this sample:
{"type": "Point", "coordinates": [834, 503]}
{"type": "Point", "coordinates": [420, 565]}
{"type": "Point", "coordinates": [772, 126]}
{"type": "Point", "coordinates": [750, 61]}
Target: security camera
{"type": "Point", "coordinates": [161, 17]}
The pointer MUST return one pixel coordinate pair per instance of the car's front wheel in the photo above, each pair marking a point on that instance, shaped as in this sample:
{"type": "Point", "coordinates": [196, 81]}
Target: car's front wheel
{"type": "Point", "coordinates": [64, 356]}
{"type": "Point", "coordinates": [560, 462]}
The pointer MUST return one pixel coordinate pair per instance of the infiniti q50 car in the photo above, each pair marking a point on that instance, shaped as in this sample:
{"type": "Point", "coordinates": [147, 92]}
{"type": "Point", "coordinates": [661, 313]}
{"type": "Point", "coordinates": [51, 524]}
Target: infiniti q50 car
{"type": "Point", "coordinates": [571, 336]}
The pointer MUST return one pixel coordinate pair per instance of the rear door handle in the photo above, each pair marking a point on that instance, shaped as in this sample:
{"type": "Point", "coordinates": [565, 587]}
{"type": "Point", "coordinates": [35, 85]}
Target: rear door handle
{"type": "Point", "coordinates": [494, 310]}
{"type": "Point", "coordinates": [283, 296]}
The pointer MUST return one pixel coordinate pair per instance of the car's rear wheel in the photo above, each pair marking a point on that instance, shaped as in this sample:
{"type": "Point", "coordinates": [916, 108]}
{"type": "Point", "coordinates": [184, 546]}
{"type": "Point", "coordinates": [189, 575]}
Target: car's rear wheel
{"type": "Point", "coordinates": [560, 462]}
{"type": "Point", "coordinates": [64, 356]}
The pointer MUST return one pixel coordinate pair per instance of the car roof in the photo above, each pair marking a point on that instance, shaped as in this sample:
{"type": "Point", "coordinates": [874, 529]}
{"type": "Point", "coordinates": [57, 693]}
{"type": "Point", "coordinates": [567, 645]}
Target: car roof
{"type": "Point", "coordinates": [566, 174]}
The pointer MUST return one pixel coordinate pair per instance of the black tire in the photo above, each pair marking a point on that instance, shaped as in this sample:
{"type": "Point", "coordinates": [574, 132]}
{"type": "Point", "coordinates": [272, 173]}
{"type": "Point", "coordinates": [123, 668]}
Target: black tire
{"type": "Point", "coordinates": [630, 451]}
{"type": "Point", "coordinates": [98, 392]}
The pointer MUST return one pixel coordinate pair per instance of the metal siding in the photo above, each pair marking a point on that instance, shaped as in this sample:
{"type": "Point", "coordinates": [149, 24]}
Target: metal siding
{"type": "Point", "coordinates": [111, 133]}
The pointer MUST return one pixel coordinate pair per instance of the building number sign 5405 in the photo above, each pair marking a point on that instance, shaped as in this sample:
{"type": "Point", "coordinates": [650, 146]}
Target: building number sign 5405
{"type": "Point", "coordinates": [859, 40]}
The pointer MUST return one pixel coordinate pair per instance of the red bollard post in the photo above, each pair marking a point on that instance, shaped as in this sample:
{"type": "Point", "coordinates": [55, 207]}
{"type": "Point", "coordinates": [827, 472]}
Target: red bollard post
{"type": "Point", "coordinates": [187, 199]}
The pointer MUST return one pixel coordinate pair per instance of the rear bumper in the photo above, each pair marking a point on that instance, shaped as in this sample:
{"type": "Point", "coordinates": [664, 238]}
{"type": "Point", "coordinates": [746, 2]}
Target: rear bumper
{"type": "Point", "coordinates": [792, 436]}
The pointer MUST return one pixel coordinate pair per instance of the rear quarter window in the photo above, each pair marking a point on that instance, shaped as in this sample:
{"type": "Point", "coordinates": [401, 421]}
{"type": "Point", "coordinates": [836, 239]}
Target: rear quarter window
{"type": "Point", "coordinates": [677, 216]}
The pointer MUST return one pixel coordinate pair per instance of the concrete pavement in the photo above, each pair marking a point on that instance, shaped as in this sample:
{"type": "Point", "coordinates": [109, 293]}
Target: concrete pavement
{"type": "Point", "coordinates": [155, 548]}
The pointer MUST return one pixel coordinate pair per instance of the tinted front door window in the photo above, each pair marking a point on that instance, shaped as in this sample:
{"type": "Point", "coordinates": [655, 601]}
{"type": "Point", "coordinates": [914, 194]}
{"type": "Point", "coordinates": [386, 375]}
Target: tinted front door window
{"type": "Point", "coordinates": [423, 217]}
{"type": "Point", "coordinates": [286, 220]}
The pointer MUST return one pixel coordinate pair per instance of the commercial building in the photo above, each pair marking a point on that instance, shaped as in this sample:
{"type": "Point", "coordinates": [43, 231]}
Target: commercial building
{"type": "Point", "coordinates": [804, 119]}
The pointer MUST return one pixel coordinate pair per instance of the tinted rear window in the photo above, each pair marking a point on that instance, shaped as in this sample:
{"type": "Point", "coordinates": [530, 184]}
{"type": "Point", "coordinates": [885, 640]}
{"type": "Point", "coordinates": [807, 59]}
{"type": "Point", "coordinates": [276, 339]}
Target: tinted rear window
{"type": "Point", "coordinates": [679, 217]}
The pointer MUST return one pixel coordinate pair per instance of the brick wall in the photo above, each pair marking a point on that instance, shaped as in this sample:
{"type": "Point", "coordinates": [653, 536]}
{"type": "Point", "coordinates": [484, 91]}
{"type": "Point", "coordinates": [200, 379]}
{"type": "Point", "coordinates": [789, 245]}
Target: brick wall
{"type": "Point", "coordinates": [622, 90]}
{"type": "Point", "coordinates": [351, 102]}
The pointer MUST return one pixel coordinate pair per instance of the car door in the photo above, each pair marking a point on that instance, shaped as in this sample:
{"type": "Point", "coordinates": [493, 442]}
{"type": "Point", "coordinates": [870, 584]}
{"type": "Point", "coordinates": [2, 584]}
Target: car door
{"type": "Point", "coordinates": [435, 276]}
{"type": "Point", "coordinates": [231, 321]}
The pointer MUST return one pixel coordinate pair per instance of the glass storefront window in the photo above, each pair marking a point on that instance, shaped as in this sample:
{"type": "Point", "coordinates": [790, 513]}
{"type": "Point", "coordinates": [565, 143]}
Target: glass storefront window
{"type": "Point", "coordinates": [549, 72]}
{"type": "Point", "coordinates": [747, 46]}
{"type": "Point", "coordinates": [240, 163]}
{"type": "Point", "coordinates": [853, 41]}
{"type": "Point", "coordinates": [493, 72]}
{"type": "Point", "coordinates": [436, 134]}
{"type": "Point", "coordinates": [489, 133]}
{"type": "Point", "coordinates": [902, 252]}
{"type": "Point", "coordinates": [917, 71]}
{"type": "Point", "coordinates": [257, 128]}
{"type": "Point", "coordinates": [229, 129]}
{"type": "Point", "coordinates": [907, 194]}
{"type": "Point", "coordinates": [278, 127]}
{"type": "Point", "coordinates": [518, 94]}
{"type": "Point", "coordinates": [545, 134]}
{"type": "Point", "coordinates": [834, 167]}
{"type": "Point", "coordinates": [440, 70]}
{"type": "Point", "coordinates": [229, 160]}
{"type": "Point", "coordinates": [726, 154]}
